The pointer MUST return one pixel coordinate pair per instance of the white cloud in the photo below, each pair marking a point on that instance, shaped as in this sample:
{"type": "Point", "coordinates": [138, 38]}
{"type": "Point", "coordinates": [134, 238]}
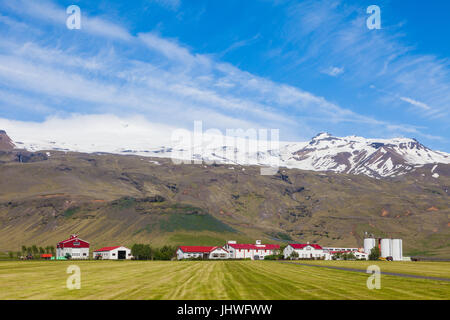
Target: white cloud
{"type": "Point", "coordinates": [104, 28]}
{"type": "Point", "coordinates": [49, 12]}
{"type": "Point", "coordinates": [333, 33]}
{"type": "Point", "coordinates": [89, 133]}
{"type": "Point", "coordinates": [333, 71]}
{"type": "Point", "coordinates": [416, 103]}
{"type": "Point", "coordinates": [174, 86]}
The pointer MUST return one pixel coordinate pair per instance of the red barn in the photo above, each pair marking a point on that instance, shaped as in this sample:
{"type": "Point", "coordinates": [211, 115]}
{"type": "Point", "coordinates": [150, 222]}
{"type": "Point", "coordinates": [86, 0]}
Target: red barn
{"type": "Point", "coordinates": [76, 247]}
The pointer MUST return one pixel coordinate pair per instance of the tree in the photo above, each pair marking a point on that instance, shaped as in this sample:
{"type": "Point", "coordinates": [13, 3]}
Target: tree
{"type": "Point", "coordinates": [11, 255]}
{"type": "Point", "coordinates": [349, 256]}
{"type": "Point", "coordinates": [19, 254]}
{"type": "Point", "coordinates": [41, 250]}
{"type": "Point", "coordinates": [164, 253]}
{"type": "Point", "coordinates": [147, 252]}
{"type": "Point", "coordinates": [136, 251]}
{"type": "Point", "coordinates": [141, 251]}
{"type": "Point", "coordinates": [52, 250]}
{"type": "Point", "coordinates": [338, 256]}
{"type": "Point", "coordinates": [34, 249]}
{"type": "Point", "coordinates": [294, 255]}
{"type": "Point", "coordinates": [24, 249]}
{"type": "Point", "coordinates": [374, 253]}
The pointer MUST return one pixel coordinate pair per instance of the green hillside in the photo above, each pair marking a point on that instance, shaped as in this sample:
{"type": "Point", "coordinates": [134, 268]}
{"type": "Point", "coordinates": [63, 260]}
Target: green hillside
{"type": "Point", "coordinates": [112, 199]}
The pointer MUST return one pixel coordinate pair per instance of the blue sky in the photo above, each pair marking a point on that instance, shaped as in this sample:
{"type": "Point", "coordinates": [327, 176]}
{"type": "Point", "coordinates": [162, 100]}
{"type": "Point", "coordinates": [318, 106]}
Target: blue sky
{"type": "Point", "coordinates": [299, 66]}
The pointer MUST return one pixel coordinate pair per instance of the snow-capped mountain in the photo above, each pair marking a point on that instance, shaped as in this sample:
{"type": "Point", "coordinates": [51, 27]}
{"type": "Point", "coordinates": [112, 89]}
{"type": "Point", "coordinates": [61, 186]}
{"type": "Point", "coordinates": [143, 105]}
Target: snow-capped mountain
{"type": "Point", "coordinates": [354, 155]}
{"type": "Point", "coordinates": [357, 155]}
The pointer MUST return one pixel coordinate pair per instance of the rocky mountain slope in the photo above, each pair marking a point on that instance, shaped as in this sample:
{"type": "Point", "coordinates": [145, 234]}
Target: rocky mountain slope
{"type": "Point", "coordinates": [115, 199]}
{"type": "Point", "coordinates": [6, 143]}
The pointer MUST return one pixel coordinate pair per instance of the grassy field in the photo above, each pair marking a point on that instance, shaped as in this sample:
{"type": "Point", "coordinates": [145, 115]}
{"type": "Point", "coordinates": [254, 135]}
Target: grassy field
{"type": "Point", "coordinates": [420, 268]}
{"type": "Point", "coordinates": [211, 280]}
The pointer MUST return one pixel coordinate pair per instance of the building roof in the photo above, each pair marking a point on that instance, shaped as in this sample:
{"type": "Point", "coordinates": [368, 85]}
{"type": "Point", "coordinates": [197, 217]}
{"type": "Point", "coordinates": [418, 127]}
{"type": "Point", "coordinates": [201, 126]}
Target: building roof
{"type": "Point", "coordinates": [107, 248]}
{"type": "Point", "coordinates": [202, 249]}
{"type": "Point", "coordinates": [72, 238]}
{"type": "Point", "coordinates": [254, 246]}
{"type": "Point", "coordinates": [303, 245]}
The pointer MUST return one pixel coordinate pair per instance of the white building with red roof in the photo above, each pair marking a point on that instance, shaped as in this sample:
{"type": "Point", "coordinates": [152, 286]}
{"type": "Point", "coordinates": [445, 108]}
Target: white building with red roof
{"type": "Point", "coordinates": [202, 252]}
{"type": "Point", "coordinates": [359, 255]}
{"type": "Point", "coordinates": [255, 251]}
{"type": "Point", "coordinates": [306, 251]}
{"type": "Point", "coordinates": [76, 247]}
{"type": "Point", "coordinates": [112, 253]}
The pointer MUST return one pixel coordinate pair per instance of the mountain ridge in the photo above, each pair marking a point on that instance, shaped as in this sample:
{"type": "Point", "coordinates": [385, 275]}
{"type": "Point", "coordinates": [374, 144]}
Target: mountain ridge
{"type": "Point", "coordinates": [376, 158]}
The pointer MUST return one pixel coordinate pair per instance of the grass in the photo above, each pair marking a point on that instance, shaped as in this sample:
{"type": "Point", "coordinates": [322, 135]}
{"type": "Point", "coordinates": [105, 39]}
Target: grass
{"type": "Point", "coordinates": [219, 280]}
{"type": "Point", "coordinates": [420, 268]}
{"type": "Point", "coordinates": [70, 212]}
{"type": "Point", "coordinates": [193, 222]}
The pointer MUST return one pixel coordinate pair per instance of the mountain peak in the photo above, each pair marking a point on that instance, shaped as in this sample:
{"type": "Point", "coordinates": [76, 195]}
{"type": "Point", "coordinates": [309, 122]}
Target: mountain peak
{"type": "Point", "coordinates": [322, 135]}
{"type": "Point", "coordinates": [6, 143]}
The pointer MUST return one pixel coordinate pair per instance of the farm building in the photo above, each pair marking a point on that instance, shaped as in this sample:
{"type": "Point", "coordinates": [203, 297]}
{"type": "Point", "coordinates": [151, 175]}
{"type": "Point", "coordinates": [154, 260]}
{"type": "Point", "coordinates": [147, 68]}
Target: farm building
{"type": "Point", "coordinates": [360, 255]}
{"type": "Point", "coordinates": [388, 247]}
{"type": "Point", "coordinates": [76, 247]}
{"type": "Point", "coordinates": [190, 252]}
{"type": "Point", "coordinates": [112, 253]}
{"type": "Point", "coordinates": [342, 249]}
{"type": "Point", "coordinates": [306, 251]}
{"type": "Point", "coordinates": [250, 251]}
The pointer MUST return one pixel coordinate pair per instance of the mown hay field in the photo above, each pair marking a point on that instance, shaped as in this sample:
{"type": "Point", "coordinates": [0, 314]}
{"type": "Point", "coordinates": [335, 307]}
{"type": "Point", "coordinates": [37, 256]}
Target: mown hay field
{"type": "Point", "coordinates": [218, 280]}
{"type": "Point", "coordinates": [419, 268]}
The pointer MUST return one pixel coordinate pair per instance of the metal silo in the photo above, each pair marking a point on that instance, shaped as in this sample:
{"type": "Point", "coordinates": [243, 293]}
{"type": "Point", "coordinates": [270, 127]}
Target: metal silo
{"type": "Point", "coordinates": [397, 249]}
{"type": "Point", "coordinates": [369, 243]}
{"type": "Point", "coordinates": [386, 248]}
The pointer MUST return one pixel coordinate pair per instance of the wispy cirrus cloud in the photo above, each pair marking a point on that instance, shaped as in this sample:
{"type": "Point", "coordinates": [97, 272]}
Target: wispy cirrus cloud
{"type": "Point", "coordinates": [333, 32]}
{"type": "Point", "coordinates": [416, 103]}
{"type": "Point", "coordinates": [333, 71]}
{"type": "Point", "coordinates": [103, 68]}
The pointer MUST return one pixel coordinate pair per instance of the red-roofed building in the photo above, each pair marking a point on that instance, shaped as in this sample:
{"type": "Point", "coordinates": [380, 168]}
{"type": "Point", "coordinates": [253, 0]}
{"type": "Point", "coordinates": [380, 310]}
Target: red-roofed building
{"type": "Point", "coordinates": [338, 255]}
{"type": "Point", "coordinates": [255, 251]}
{"type": "Point", "coordinates": [357, 252]}
{"type": "Point", "coordinates": [203, 252]}
{"type": "Point", "coordinates": [306, 251]}
{"type": "Point", "coordinates": [76, 247]}
{"type": "Point", "coordinates": [112, 253]}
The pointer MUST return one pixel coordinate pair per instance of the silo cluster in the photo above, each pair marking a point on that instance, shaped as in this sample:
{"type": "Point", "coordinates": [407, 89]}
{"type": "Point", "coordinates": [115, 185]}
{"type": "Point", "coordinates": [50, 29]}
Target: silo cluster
{"type": "Point", "coordinates": [388, 247]}
{"type": "Point", "coordinates": [392, 248]}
